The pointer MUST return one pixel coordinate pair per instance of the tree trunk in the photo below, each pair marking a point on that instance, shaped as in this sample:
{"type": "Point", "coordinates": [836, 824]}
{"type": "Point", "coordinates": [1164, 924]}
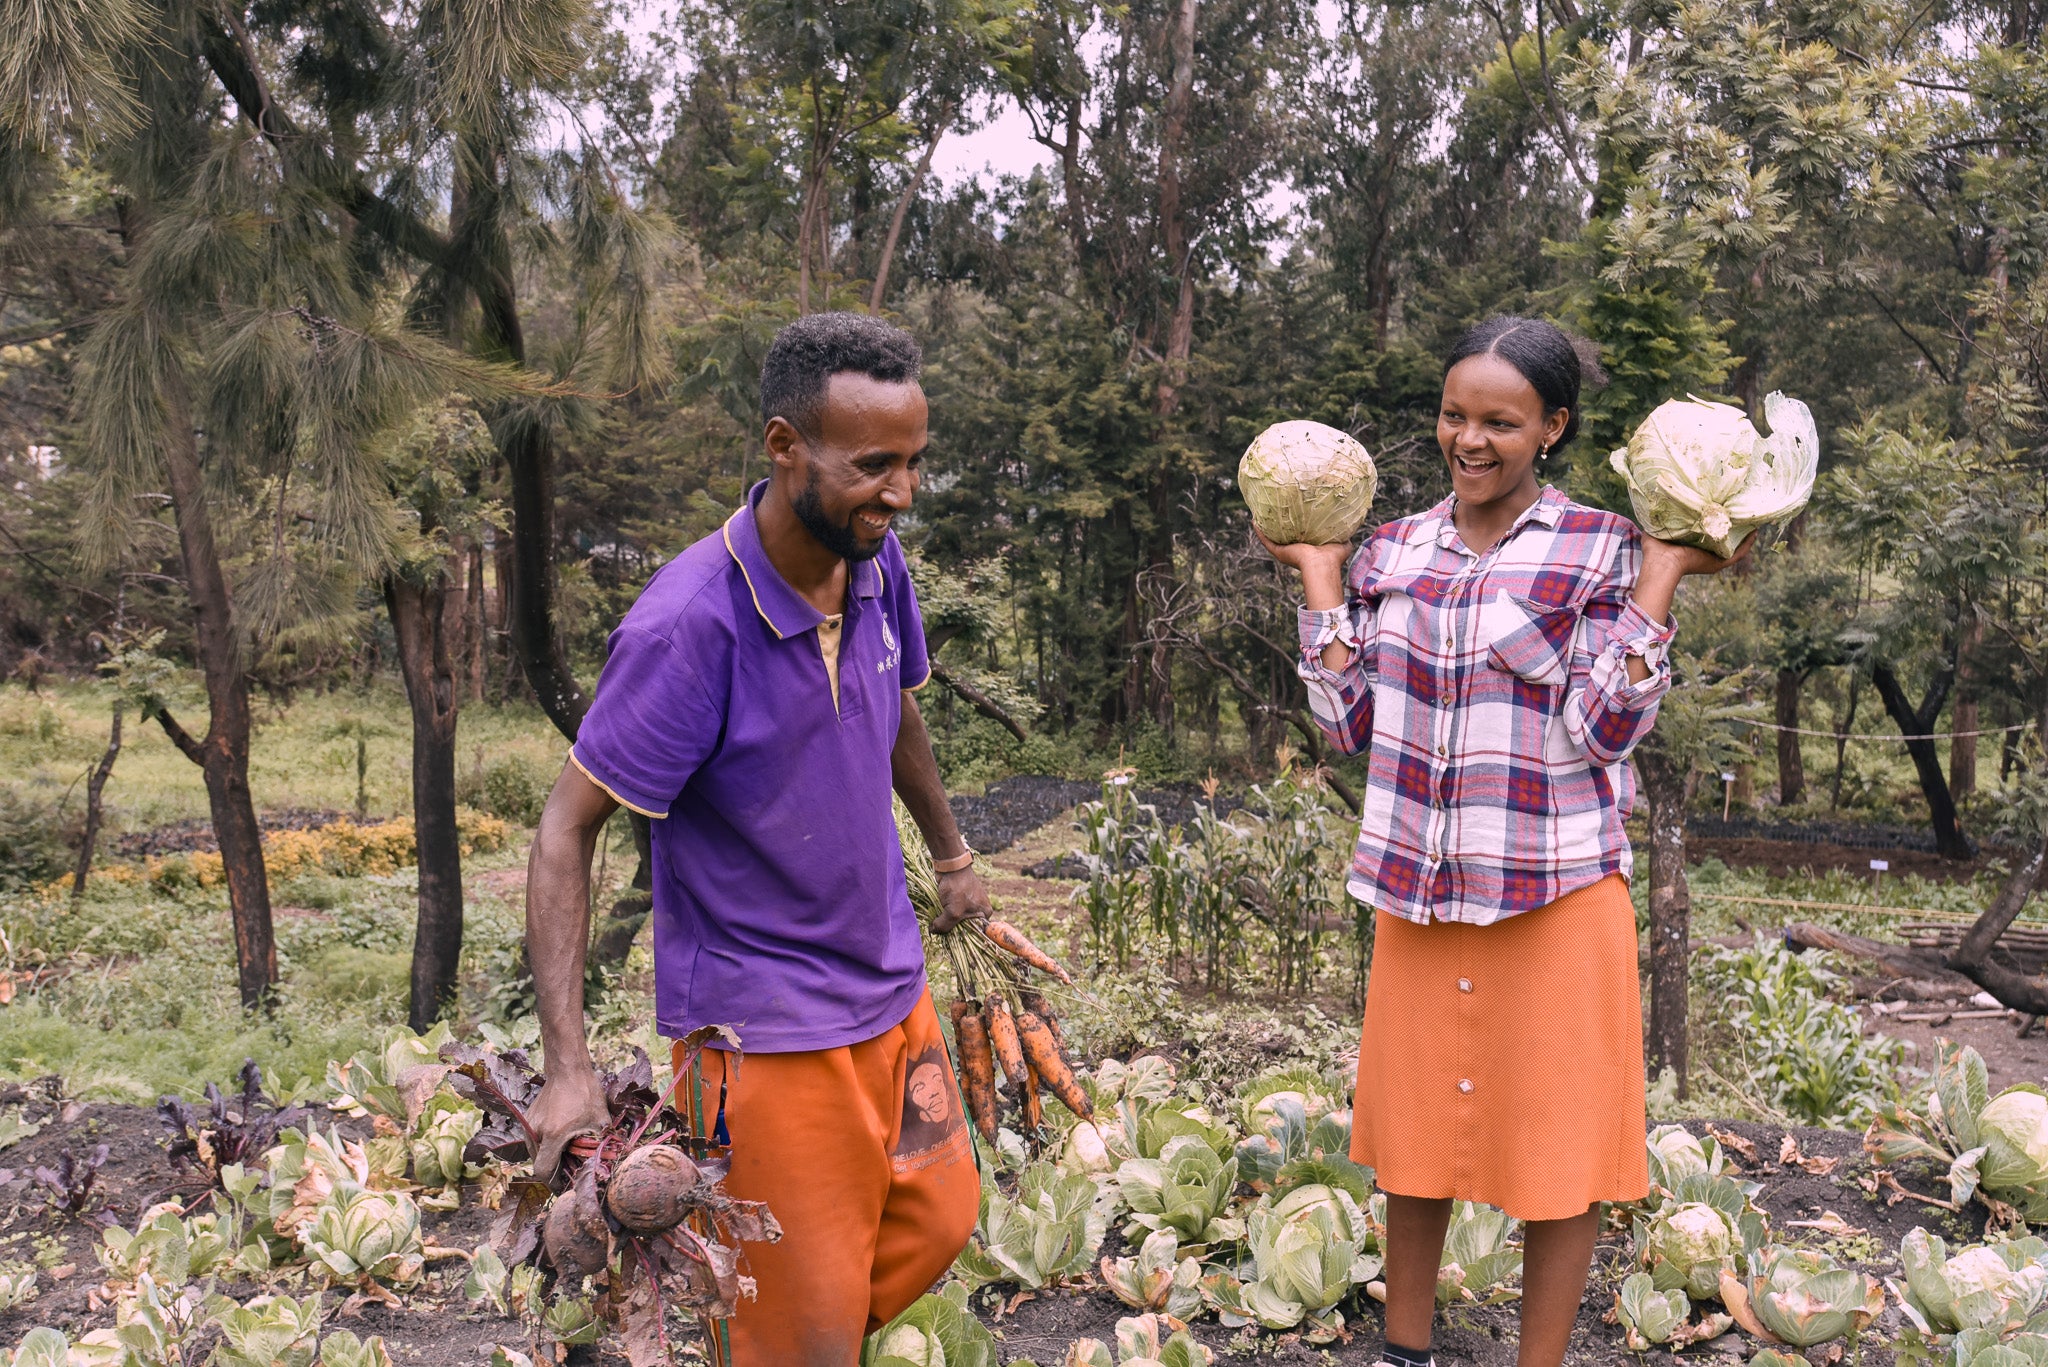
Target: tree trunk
{"type": "Point", "coordinates": [903, 203]}
{"type": "Point", "coordinates": [1791, 764]}
{"type": "Point", "coordinates": [1150, 685]}
{"type": "Point", "coordinates": [1664, 786]}
{"type": "Point", "coordinates": [475, 630]}
{"type": "Point", "coordinates": [1962, 747]}
{"type": "Point", "coordinates": [223, 754]}
{"type": "Point", "coordinates": [1949, 840]}
{"type": "Point", "coordinates": [95, 786]}
{"type": "Point", "coordinates": [425, 618]}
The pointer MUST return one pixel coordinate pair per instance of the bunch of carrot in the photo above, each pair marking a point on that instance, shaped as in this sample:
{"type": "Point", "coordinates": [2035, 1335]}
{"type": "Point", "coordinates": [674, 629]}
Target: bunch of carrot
{"type": "Point", "coordinates": [999, 1019]}
{"type": "Point", "coordinates": [1002, 1021]}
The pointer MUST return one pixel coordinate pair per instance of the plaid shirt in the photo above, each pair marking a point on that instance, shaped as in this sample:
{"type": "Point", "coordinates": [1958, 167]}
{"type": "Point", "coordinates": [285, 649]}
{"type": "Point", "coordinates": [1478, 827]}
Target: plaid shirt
{"type": "Point", "coordinates": [1493, 693]}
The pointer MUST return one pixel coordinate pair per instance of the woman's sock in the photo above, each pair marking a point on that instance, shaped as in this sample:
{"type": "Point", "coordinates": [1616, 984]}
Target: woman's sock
{"type": "Point", "coordinates": [1397, 1356]}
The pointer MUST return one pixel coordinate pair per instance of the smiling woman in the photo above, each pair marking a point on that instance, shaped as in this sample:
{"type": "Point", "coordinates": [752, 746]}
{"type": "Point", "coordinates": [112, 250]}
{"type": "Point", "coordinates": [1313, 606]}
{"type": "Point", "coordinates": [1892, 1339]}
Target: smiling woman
{"type": "Point", "coordinates": [1500, 656]}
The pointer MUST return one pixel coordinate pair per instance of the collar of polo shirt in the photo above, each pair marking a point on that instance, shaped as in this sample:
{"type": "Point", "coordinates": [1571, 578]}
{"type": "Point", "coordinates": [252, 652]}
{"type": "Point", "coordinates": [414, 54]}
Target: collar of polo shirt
{"type": "Point", "coordinates": [787, 612]}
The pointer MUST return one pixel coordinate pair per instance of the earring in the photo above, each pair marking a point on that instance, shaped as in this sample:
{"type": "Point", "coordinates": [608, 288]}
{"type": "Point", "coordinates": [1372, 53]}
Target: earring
{"type": "Point", "coordinates": [1543, 451]}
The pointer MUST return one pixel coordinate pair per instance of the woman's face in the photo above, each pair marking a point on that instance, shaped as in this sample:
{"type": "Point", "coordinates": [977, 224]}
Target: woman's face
{"type": "Point", "coordinates": [1491, 426]}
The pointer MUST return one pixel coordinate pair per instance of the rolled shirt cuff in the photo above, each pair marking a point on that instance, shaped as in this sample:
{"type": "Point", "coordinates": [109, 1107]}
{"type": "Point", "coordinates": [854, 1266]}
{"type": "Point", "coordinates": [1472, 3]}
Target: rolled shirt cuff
{"type": "Point", "coordinates": [1636, 634]}
{"type": "Point", "coordinates": [1321, 627]}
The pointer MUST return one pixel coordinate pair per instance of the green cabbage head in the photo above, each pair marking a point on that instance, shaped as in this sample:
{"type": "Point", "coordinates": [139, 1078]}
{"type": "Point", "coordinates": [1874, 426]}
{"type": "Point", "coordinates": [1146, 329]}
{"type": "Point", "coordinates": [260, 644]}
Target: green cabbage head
{"type": "Point", "coordinates": [1688, 1248]}
{"type": "Point", "coordinates": [1699, 473]}
{"type": "Point", "coordinates": [1996, 1286]}
{"type": "Point", "coordinates": [1307, 483]}
{"type": "Point", "coordinates": [2013, 1127]}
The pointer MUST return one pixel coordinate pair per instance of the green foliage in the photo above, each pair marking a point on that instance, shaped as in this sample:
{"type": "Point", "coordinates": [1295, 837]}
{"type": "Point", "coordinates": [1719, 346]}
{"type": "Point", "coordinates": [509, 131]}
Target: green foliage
{"type": "Point", "coordinates": [1804, 1055]}
{"type": "Point", "coordinates": [937, 1330]}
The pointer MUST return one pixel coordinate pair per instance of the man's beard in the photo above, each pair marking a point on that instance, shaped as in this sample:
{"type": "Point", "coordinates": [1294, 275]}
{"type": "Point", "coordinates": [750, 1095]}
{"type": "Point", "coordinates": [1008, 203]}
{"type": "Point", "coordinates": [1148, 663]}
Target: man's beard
{"type": "Point", "coordinates": [810, 510]}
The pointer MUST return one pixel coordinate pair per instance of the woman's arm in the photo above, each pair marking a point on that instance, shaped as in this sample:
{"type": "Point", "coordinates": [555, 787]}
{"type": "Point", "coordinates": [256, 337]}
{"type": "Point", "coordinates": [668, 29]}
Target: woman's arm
{"type": "Point", "coordinates": [1333, 628]}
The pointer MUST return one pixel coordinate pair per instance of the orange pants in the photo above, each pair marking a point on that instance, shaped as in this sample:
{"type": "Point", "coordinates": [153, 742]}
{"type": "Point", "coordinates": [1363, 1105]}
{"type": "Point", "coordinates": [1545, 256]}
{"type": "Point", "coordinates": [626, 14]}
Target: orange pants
{"type": "Point", "coordinates": [865, 1158]}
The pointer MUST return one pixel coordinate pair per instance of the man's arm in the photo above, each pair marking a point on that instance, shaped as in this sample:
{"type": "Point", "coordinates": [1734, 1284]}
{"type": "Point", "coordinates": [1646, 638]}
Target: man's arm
{"type": "Point", "coordinates": [915, 774]}
{"type": "Point", "coordinates": [557, 937]}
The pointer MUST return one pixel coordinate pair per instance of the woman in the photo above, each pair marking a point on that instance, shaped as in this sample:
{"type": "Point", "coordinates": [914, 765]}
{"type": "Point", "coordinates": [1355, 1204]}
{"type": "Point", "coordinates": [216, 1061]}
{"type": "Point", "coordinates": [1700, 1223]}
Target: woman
{"type": "Point", "coordinates": [1501, 654]}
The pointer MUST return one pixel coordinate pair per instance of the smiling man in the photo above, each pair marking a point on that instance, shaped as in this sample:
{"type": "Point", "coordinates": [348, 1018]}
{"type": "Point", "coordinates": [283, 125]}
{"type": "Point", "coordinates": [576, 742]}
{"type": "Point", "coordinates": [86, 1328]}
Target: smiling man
{"type": "Point", "coordinates": [756, 706]}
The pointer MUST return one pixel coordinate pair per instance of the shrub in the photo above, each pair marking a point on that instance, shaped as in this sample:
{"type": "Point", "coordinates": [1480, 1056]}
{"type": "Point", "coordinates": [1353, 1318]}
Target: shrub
{"type": "Point", "coordinates": [510, 788]}
{"type": "Point", "coordinates": [32, 848]}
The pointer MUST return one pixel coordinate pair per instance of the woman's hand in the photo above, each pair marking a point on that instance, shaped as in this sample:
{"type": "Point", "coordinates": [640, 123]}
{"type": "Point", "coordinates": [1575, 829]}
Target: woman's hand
{"type": "Point", "coordinates": [1673, 561]}
{"type": "Point", "coordinates": [1321, 569]}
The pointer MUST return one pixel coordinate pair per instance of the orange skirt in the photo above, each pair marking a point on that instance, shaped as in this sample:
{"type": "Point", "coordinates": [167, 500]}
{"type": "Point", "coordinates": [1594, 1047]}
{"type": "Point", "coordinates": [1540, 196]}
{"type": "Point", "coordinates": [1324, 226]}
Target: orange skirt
{"type": "Point", "coordinates": [1504, 1063]}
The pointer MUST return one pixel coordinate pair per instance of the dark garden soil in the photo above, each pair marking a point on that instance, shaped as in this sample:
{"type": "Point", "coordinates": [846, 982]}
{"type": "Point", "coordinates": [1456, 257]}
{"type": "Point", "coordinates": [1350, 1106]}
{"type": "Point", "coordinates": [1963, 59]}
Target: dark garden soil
{"type": "Point", "coordinates": [196, 833]}
{"type": "Point", "coordinates": [435, 1325]}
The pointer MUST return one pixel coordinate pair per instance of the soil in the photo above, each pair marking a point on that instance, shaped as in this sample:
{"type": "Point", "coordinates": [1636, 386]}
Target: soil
{"type": "Point", "coordinates": [1013, 808]}
{"type": "Point", "coordinates": [436, 1326]}
{"type": "Point", "coordinates": [196, 833]}
{"type": "Point", "coordinates": [1782, 857]}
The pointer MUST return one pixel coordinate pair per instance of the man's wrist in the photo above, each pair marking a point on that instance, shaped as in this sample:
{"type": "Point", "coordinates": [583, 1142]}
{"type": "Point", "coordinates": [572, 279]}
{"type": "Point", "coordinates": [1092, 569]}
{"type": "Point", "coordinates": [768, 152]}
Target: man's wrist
{"type": "Point", "coordinates": [954, 863]}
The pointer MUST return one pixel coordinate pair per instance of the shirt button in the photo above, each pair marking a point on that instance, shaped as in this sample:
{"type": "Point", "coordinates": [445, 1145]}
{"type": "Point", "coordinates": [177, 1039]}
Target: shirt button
{"type": "Point", "coordinates": [1464, 1084]}
{"type": "Point", "coordinates": [1443, 749]}
{"type": "Point", "coordinates": [1464, 984]}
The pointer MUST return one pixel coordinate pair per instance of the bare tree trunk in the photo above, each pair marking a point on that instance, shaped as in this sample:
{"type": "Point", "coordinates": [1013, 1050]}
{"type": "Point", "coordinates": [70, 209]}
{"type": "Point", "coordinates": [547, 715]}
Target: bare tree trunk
{"type": "Point", "coordinates": [1962, 748]}
{"type": "Point", "coordinates": [95, 786]}
{"type": "Point", "coordinates": [1973, 956]}
{"type": "Point", "coordinates": [903, 203]}
{"type": "Point", "coordinates": [223, 754]}
{"type": "Point", "coordinates": [1664, 785]}
{"type": "Point", "coordinates": [474, 628]}
{"type": "Point", "coordinates": [425, 618]}
{"type": "Point", "coordinates": [1791, 763]}
{"type": "Point", "coordinates": [1949, 840]}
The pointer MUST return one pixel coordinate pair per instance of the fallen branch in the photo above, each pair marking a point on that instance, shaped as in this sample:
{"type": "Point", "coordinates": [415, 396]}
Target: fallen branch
{"type": "Point", "coordinates": [1973, 956]}
{"type": "Point", "coordinates": [978, 700]}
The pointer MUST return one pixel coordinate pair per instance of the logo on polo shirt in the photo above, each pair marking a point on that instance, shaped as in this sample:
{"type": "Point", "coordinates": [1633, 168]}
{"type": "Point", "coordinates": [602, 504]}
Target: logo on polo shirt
{"type": "Point", "coordinates": [888, 661]}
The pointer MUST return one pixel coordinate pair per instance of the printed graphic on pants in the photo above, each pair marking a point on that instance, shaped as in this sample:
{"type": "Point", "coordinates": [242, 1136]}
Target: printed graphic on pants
{"type": "Point", "coordinates": [933, 1127]}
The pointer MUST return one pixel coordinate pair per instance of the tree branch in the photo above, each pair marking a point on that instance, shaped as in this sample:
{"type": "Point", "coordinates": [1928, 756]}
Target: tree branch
{"type": "Point", "coordinates": [180, 737]}
{"type": "Point", "coordinates": [978, 700]}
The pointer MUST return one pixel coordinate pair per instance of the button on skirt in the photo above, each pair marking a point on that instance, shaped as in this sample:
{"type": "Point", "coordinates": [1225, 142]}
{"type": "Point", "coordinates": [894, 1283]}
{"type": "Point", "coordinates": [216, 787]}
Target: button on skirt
{"type": "Point", "coordinates": [1504, 1063]}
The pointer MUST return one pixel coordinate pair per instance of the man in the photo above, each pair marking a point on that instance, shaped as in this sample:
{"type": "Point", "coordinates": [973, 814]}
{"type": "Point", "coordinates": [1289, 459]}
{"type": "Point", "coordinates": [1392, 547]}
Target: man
{"type": "Point", "coordinates": [756, 706]}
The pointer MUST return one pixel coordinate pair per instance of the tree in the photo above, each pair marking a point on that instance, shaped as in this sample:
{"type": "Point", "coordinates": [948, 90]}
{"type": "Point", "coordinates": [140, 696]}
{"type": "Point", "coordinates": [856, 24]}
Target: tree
{"type": "Point", "coordinates": [1700, 729]}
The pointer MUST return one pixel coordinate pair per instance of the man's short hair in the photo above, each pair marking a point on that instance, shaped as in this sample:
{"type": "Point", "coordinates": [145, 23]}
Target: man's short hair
{"type": "Point", "coordinates": [805, 355]}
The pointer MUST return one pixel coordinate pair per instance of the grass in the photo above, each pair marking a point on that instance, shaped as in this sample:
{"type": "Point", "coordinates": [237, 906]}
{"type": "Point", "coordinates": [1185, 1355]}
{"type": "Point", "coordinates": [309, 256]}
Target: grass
{"type": "Point", "coordinates": [302, 754]}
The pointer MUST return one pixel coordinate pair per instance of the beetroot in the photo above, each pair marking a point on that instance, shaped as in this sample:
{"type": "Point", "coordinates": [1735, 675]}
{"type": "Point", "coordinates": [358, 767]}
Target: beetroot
{"type": "Point", "coordinates": [576, 1237]}
{"type": "Point", "coordinates": [651, 1189]}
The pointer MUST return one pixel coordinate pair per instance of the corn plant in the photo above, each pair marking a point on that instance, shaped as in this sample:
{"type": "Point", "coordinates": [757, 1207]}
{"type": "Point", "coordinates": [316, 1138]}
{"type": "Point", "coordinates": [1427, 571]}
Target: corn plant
{"type": "Point", "coordinates": [1119, 835]}
{"type": "Point", "coordinates": [1805, 1055]}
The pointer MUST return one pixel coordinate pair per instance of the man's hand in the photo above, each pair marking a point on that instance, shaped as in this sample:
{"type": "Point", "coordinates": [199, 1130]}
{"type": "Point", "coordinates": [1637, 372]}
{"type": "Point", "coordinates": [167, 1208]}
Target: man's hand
{"type": "Point", "coordinates": [962, 897]}
{"type": "Point", "coordinates": [571, 1103]}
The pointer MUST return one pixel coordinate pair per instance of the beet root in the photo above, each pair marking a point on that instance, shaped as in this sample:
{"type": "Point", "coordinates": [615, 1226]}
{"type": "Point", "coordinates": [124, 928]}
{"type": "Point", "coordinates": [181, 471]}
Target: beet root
{"type": "Point", "coordinates": [652, 1189]}
{"type": "Point", "coordinates": [577, 1240]}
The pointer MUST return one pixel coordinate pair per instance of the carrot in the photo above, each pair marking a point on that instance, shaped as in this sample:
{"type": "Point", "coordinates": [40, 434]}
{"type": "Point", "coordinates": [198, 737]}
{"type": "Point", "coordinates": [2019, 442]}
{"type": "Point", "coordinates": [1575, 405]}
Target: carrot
{"type": "Point", "coordinates": [1007, 937]}
{"type": "Point", "coordinates": [1034, 1109]}
{"type": "Point", "coordinates": [1002, 1038]}
{"type": "Point", "coordinates": [977, 1068]}
{"type": "Point", "coordinates": [1042, 1052]}
{"type": "Point", "coordinates": [1035, 1001]}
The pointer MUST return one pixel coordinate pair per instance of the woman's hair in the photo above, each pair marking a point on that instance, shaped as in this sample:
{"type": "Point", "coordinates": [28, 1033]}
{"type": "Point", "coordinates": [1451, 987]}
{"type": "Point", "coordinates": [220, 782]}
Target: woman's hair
{"type": "Point", "coordinates": [1553, 361]}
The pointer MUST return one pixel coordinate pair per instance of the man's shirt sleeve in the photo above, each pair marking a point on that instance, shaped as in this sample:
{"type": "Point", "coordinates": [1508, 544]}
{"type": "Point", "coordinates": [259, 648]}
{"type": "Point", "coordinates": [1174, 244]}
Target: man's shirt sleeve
{"type": "Point", "coordinates": [902, 598]}
{"type": "Point", "coordinates": [652, 723]}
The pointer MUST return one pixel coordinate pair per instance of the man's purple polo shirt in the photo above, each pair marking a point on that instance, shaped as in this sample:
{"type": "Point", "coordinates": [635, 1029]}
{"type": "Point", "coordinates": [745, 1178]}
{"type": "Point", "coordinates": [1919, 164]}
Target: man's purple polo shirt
{"type": "Point", "coordinates": [779, 902]}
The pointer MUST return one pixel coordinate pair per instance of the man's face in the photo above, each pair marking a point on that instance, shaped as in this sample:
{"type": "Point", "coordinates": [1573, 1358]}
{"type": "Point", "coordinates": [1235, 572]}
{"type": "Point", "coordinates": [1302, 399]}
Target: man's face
{"type": "Point", "coordinates": [862, 467]}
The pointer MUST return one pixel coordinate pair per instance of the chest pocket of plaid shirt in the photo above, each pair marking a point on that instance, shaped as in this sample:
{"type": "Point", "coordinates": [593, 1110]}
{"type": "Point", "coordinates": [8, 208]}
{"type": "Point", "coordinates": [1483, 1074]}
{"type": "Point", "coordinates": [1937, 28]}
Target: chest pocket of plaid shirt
{"type": "Point", "coordinates": [1530, 640]}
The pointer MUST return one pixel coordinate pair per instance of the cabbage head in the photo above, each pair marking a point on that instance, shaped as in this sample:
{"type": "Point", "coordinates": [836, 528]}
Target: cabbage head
{"type": "Point", "coordinates": [1689, 1246]}
{"type": "Point", "coordinates": [1700, 474]}
{"type": "Point", "coordinates": [1995, 1286]}
{"type": "Point", "coordinates": [1307, 483]}
{"type": "Point", "coordinates": [2013, 1127]}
